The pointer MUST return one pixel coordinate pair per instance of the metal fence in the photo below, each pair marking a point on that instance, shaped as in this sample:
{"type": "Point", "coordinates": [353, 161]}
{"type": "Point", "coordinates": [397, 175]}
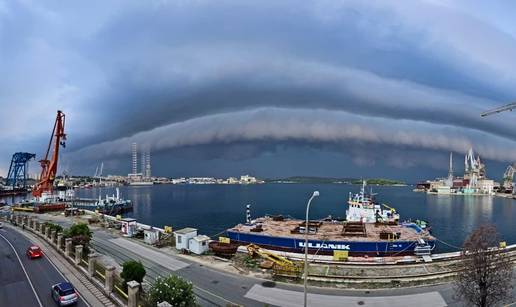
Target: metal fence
{"type": "Point", "coordinates": [119, 286]}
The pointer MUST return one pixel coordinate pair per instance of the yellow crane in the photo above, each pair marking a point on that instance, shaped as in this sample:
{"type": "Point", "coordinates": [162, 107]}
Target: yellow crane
{"type": "Point", "coordinates": [281, 264]}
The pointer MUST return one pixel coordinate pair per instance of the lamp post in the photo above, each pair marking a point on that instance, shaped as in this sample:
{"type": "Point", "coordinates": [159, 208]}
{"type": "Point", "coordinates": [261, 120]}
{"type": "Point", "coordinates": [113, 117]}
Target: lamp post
{"type": "Point", "coordinates": [315, 194]}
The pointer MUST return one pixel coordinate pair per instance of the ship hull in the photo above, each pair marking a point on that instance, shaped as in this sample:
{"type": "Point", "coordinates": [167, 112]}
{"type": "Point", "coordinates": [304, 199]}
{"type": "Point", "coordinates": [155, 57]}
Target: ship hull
{"type": "Point", "coordinates": [354, 248]}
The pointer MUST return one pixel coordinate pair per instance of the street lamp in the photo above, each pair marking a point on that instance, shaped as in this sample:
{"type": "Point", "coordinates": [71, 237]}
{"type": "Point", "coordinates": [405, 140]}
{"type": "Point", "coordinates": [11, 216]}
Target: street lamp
{"type": "Point", "coordinates": [315, 194]}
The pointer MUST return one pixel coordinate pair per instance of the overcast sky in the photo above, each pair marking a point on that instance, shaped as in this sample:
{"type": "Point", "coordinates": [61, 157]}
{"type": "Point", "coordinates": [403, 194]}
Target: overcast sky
{"type": "Point", "coordinates": [270, 88]}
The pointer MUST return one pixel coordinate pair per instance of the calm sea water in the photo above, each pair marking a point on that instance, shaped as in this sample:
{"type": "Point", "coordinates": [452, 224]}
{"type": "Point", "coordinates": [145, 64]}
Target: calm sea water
{"type": "Point", "coordinates": [214, 208]}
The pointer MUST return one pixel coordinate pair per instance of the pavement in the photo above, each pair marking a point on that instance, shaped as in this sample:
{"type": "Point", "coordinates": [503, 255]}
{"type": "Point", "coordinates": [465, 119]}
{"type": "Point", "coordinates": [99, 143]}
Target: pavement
{"type": "Point", "coordinates": [26, 282]}
{"type": "Point", "coordinates": [287, 298]}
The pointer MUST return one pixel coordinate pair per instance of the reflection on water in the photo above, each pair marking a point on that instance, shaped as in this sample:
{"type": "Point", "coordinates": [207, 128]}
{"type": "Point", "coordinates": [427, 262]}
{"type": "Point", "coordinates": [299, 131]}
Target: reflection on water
{"type": "Point", "coordinates": [141, 197]}
{"type": "Point", "coordinates": [214, 208]}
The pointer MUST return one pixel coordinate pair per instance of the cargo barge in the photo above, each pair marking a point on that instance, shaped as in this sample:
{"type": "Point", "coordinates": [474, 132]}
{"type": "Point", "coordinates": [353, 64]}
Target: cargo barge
{"type": "Point", "coordinates": [370, 228]}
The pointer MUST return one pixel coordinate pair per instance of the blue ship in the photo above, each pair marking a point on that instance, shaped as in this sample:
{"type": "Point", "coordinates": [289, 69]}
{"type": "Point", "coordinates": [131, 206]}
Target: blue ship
{"type": "Point", "coordinates": [370, 228]}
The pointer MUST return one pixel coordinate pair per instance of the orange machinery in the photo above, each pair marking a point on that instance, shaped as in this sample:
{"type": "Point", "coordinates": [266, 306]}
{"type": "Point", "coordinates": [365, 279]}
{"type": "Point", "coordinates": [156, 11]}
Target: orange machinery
{"type": "Point", "coordinates": [49, 167]}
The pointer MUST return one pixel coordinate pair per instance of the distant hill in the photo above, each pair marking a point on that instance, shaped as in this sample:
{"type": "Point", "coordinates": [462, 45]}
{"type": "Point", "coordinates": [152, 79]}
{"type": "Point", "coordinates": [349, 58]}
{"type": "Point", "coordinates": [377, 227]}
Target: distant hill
{"type": "Point", "coordinates": [331, 180]}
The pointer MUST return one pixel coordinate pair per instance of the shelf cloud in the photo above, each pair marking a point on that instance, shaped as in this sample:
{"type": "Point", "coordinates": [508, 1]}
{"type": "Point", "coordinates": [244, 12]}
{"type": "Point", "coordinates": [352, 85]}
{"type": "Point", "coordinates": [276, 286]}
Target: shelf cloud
{"type": "Point", "coordinates": [239, 81]}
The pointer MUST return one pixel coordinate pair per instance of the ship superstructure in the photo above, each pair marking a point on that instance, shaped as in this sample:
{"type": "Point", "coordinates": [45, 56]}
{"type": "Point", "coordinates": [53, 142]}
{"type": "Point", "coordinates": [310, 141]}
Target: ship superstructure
{"type": "Point", "coordinates": [363, 208]}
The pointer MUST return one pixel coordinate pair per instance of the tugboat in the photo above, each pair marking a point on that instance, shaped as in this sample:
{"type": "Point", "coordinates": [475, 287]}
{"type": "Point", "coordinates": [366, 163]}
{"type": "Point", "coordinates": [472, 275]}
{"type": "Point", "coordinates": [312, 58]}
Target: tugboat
{"type": "Point", "coordinates": [370, 229]}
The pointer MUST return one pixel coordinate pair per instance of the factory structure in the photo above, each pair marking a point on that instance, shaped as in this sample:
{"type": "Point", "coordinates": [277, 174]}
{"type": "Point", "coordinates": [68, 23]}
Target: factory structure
{"type": "Point", "coordinates": [144, 177]}
{"type": "Point", "coordinates": [473, 182]}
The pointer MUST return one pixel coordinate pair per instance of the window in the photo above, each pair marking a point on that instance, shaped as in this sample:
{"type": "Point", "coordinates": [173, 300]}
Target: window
{"type": "Point", "coordinates": [179, 239]}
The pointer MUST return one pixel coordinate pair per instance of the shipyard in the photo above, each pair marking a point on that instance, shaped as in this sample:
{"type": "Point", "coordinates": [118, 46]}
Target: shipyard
{"type": "Point", "coordinates": [258, 153]}
{"type": "Point", "coordinates": [474, 181]}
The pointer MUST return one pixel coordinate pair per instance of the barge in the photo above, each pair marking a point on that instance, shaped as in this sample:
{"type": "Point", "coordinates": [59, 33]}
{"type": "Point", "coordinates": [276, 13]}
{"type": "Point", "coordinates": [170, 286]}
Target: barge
{"type": "Point", "coordinates": [111, 205]}
{"type": "Point", "coordinates": [370, 228]}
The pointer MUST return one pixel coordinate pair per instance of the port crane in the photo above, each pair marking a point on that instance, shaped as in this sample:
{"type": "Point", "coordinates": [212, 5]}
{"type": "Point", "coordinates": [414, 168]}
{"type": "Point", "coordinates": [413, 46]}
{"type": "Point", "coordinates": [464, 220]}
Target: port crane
{"type": "Point", "coordinates": [49, 167]}
{"type": "Point", "coordinates": [507, 107]}
{"type": "Point", "coordinates": [17, 175]}
{"type": "Point", "coordinates": [508, 178]}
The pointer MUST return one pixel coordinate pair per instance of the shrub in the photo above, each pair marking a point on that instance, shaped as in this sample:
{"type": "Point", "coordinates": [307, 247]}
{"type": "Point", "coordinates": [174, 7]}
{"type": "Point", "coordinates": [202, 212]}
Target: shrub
{"type": "Point", "coordinates": [132, 270]}
{"type": "Point", "coordinates": [78, 230]}
{"type": "Point", "coordinates": [80, 234]}
{"type": "Point", "coordinates": [172, 289]}
{"type": "Point", "coordinates": [52, 226]}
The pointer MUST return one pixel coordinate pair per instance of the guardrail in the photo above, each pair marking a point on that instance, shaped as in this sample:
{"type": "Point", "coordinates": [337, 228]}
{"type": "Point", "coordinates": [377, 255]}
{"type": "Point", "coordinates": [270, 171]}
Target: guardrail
{"type": "Point", "coordinates": [99, 276]}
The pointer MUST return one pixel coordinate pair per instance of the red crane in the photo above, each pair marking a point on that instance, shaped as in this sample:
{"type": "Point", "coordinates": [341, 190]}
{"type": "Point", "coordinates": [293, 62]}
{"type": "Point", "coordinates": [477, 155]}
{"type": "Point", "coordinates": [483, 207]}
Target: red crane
{"type": "Point", "coordinates": [49, 167]}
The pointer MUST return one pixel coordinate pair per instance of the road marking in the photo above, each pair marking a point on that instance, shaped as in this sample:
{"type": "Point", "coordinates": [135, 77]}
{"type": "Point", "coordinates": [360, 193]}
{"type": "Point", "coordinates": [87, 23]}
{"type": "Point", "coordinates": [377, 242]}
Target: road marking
{"type": "Point", "coordinates": [55, 267]}
{"type": "Point", "coordinates": [289, 298]}
{"type": "Point", "coordinates": [162, 259]}
{"type": "Point", "coordinates": [23, 268]}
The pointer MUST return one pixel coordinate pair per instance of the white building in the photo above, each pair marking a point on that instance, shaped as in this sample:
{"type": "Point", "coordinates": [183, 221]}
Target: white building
{"type": "Point", "coordinates": [183, 237]}
{"type": "Point", "coordinates": [199, 244]}
{"type": "Point", "coordinates": [246, 179]}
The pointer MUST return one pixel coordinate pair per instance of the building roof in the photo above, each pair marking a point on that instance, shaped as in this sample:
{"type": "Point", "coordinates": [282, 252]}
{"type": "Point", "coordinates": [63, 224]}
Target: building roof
{"type": "Point", "coordinates": [201, 238]}
{"type": "Point", "coordinates": [185, 230]}
{"type": "Point", "coordinates": [128, 219]}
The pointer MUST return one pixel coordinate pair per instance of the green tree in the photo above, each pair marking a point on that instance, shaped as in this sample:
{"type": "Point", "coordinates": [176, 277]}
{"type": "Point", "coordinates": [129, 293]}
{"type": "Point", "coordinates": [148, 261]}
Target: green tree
{"type": "Point", "coordinates": [132, 270]}
{"type": "Point", "coordinates": [80, 234]}
{"type": "Point", "coordinates": [80, 229]}
{"type": "Point", "coordinates": [173, 289]}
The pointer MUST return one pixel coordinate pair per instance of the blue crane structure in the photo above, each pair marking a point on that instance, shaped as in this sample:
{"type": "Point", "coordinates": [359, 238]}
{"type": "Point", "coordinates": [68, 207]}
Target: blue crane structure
{"type": "Point", "coordinates": [17, 175]}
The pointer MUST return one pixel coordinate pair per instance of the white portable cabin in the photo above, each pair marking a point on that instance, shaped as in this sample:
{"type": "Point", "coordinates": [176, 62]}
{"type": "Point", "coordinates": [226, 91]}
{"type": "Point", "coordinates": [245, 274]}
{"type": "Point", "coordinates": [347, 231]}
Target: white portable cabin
{"type": "Point", "coordinates": [183, 236]}
{"type": "Point", "coordinates": [128, 226]}
{"type": "Point", "coordinates": [199, 244]}
{"type": "Point", "coordinates": [150, 236]}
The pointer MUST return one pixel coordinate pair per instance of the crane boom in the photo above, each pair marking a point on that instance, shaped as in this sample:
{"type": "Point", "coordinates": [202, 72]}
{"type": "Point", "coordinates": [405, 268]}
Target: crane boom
{"type": "Point", "coordinates": [49, 167]}
{"type": "Point", "coordinates": [507, 107]}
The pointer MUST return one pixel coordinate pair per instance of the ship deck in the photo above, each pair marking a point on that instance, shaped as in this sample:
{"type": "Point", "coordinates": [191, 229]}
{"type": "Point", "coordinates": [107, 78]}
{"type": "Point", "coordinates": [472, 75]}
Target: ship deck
{"type": "Point", "coordinates": [331, 231]}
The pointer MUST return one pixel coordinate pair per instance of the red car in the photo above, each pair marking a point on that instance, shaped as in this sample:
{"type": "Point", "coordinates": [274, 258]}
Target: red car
{"type": "Point", "coordinates": [34, 252]}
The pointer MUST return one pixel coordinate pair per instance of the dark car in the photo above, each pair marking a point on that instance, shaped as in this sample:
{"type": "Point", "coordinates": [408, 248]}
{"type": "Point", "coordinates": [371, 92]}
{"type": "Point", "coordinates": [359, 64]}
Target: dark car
{"type": "Point", "coordinates": [34, 252]}
{"type": "Point", "coordinates": [64, 294]}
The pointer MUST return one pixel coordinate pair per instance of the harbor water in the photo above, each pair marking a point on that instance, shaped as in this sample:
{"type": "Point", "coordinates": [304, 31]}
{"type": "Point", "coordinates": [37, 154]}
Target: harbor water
{"type": "Point", "coordinates": [214, 208]}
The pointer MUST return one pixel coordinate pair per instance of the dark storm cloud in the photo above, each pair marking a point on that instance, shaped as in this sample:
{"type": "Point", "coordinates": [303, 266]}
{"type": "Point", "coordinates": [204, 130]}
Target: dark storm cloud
{"type": "Point", "coordinates": [244, 78]}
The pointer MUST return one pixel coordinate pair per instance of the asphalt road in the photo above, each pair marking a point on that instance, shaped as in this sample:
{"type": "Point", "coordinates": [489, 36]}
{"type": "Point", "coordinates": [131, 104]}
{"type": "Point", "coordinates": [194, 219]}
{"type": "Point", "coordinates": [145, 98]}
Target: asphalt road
{"type": "Point", "coordinates": [15, 288]}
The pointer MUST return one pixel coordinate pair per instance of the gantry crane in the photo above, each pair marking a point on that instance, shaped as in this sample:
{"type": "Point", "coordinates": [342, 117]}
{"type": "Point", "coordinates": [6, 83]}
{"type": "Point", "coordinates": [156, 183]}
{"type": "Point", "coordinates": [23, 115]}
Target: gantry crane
{"type": "Point", "coordinates": [17, 175]}
{"type": "Point", "coordinates": [49, 167]}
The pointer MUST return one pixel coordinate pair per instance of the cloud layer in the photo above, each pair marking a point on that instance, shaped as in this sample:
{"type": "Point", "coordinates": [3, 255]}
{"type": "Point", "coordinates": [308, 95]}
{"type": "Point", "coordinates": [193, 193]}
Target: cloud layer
{"type": "Point", "coordinates": [332, 76]}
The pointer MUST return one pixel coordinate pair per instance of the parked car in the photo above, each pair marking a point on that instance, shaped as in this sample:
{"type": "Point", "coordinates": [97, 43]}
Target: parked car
{"type": "Point", "coordinates": [64, 294]}
{"type": "Point", "coordinates": [1, 225]}
{"type": "Point", "coordinates": [34, 252]}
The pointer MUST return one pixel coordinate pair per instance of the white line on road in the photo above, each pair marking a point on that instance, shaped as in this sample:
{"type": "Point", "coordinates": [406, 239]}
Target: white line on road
{"type": "Point", "coordinates": [58, 271]}
{"type": "Point", "coordinates": [23, 268]}
{"type": "Point", "coordinates": [289, 298]}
